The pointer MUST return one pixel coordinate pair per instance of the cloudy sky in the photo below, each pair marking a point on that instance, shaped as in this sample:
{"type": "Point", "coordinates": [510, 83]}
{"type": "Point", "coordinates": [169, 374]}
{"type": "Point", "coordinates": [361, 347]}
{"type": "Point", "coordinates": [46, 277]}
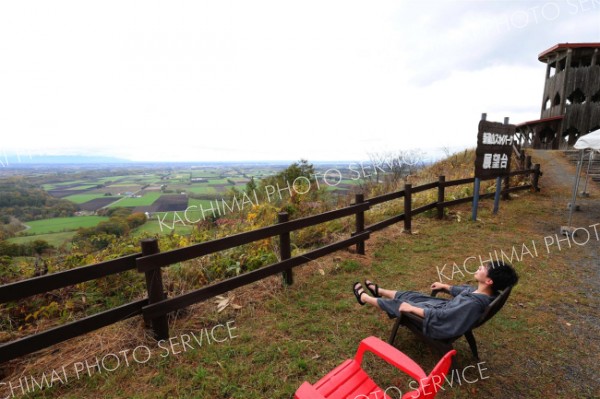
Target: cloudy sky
{"type": "Point", "coordinates": [278, 80]}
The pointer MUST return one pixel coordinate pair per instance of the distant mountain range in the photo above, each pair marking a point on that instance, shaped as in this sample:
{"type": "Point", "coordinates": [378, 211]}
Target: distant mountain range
{"type": "Point", "coordinates": [16, 161]}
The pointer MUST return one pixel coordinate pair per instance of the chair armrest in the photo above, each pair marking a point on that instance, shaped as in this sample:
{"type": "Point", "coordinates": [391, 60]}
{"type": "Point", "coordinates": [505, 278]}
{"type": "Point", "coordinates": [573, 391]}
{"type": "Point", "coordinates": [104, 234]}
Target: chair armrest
{"type": "Point", "coordinates": [307, 391]}
{"type": "Point", "coordinates": [391, 355]}
{"type": "Point", "coordinates": [412, 316]}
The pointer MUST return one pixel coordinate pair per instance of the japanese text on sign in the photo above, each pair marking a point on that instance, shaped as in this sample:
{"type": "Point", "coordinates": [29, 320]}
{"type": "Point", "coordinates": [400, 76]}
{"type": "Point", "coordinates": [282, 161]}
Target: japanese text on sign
{"type": "Point", "coordinates": [497, 139]}
{"type": "Point", "coordinates": [495, 161]}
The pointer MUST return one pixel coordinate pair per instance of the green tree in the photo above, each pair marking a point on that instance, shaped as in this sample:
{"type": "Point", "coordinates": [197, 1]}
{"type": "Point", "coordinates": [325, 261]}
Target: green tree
{"type": "Point", "coordinates": [251, 186]}
{"type": "Point", "coordinates": [295, 170]}
{"type": "Point", "coordinates": [136, 219]}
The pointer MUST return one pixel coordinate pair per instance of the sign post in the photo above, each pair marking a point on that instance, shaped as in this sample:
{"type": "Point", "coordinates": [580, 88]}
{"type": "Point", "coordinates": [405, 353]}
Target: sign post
{"type": "Point", "coordinates": [492, 156]}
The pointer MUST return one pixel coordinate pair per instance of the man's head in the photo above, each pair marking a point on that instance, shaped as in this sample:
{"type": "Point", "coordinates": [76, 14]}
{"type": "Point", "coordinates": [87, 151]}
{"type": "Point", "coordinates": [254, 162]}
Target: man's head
{"type": "Point", "coordinates": [498, 275]}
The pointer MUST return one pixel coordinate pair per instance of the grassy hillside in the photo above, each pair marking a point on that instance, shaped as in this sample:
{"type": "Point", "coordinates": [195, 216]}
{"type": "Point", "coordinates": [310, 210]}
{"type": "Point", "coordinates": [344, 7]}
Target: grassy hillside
{"type": "Point", "coordinates": [538, 346]}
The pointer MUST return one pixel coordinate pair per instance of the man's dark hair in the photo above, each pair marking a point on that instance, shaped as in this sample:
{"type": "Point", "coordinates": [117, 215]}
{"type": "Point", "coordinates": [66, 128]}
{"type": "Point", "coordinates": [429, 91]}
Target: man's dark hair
{"type": "Point", "coordinates": [502, 275]}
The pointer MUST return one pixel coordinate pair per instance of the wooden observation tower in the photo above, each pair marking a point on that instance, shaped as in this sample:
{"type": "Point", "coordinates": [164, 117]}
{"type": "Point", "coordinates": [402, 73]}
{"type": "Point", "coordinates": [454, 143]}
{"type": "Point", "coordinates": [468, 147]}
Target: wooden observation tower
{"type": "Point", "coordinates": [571, 101]}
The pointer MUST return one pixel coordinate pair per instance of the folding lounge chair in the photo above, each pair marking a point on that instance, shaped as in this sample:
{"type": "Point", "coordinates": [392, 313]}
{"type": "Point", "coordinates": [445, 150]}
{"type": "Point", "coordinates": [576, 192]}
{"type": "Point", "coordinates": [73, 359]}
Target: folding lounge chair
{"type": "Point", "coordinates": [349, 380]}
{"type": "Point", "coordinates": [441, 346]}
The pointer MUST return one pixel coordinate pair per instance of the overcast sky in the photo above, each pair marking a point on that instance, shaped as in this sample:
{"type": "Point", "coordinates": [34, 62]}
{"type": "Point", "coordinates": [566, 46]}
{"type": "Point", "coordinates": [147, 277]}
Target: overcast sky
{"type": "Point", "coordinates": [278, 80]}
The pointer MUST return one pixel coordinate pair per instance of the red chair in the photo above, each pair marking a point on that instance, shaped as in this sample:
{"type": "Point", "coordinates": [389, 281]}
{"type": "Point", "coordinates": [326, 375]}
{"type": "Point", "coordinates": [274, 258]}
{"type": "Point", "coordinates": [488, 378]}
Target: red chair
{"type": "Point", "coordinates": [349, 381]}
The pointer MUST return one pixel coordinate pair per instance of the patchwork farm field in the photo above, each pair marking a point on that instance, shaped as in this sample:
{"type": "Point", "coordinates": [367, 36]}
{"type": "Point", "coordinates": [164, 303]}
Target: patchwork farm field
{"type": "Point", "coordinates": [54, 239]}
{"type": "Point", "coordinates": [163, 189]}
{"type": "Point", "coordinates": [56, 225]}
{"type": "Point", "coordinates": [146, 200]}
{"type": "Point", "coordinates": [83, 198]}
{"type": "Point", "coordinates": [97, 203]}
{"type": "Point", "coordinates": [201, 189]}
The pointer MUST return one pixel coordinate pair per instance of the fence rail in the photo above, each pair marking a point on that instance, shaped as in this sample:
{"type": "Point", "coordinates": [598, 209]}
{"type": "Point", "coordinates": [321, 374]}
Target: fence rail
{"type": "Point", "coordinates": [150, 261]}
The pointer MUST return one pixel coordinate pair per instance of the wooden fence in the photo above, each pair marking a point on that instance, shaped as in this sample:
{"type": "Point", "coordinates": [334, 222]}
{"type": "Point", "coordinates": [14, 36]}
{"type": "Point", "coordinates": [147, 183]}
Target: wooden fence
{"type": "Point", "coordinates": [150, 261]}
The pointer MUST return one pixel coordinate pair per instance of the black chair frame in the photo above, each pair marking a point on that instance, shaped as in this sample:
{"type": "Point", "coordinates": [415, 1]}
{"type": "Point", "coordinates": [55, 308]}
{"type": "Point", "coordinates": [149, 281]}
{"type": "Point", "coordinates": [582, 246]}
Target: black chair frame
{"type": "Point", "coordinates": [442, 346]}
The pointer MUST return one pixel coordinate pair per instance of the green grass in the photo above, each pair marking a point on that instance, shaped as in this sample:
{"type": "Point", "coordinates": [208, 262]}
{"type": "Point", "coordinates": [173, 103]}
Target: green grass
{"type": "Point", "coordinates": [82, 198]}
{"type": "Point", "coordinates": [54, 239]}
{"type": "Point", "coordinates": [56, 225]}
{"type": "Point", "coordinates": [206, 204]}
{"type": "Point", "coordinates": [219, 181]}
{"type": "Point", "coordinates": [126, 184]}
{"type": "Point", "coordinates": [152, 226]}
{"type": "Point", "coordinates": [145, 200]}
{"type": "Point", "coordinates": [60, 186]}
{"type": "Point", "coordinates": [83, 187]}
{"type": "Point", "coordinates": [290, 334]}
{"type": "Point", "coordinates": [201, 189]}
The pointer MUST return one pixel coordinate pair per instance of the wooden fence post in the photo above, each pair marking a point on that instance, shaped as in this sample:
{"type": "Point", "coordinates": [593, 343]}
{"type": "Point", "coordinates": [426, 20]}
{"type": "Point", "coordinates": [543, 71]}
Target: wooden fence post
{"type": "Point", "coordinates": [536, 176]}
{"type": "Point", "coordinates": [360, 223]}
{"type": "Point", "coordinates": [407, 207]}
{"type": "Point", "coordinates": [505, 194]}
{"type": "Point", "coordinates": [156, 293]}
{"type": "Point", "coordinates": [285, 249]}
{"type": "Point", "coordinates": [522, 160]}
{"type": "Point", "coordinates": [441, 196]}
{"type": "Point", "coordinates": [528, 162]}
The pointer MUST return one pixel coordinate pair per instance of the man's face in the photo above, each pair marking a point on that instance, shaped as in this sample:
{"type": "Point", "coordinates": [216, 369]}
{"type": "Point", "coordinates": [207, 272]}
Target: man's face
{"type": "Point", "coordinates": [481, 274]}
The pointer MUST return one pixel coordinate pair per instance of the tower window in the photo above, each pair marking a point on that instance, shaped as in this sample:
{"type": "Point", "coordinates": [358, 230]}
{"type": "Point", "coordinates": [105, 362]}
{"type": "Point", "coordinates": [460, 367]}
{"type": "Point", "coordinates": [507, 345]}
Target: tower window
{"type": "Point", "coordinates": [577, 97]}
{"type": "Point", "coordinates": [547, 103]}
{"type": "Point", "coordinates": [552, 69]}
{"type": "Point", "coordinates": [556, 100]}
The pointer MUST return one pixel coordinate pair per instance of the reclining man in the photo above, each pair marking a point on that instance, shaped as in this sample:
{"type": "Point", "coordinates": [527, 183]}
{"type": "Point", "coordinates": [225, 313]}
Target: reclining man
{"type": "Point", "coordinates": [443, 318]}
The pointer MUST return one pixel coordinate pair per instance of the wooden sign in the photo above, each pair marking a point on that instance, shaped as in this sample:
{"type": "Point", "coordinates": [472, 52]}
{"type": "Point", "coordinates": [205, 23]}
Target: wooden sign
{"type": "Point", "coordinates": [494, 149]}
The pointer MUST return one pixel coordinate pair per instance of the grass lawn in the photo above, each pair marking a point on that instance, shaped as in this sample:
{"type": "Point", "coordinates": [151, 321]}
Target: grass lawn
{"type": "Point", "coordinates": [145, 200]}
{"type": "Point", "coordinates": [56, 225]}
{"type": "Point", "coordinates": [55, 239]}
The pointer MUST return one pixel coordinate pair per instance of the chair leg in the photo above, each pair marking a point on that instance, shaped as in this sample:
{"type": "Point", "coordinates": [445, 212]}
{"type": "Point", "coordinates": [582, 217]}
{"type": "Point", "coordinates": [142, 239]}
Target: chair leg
{"type": "Point", "coordinates": [394, 332]}
{"type": "Point", "coordinates": [472, 343]}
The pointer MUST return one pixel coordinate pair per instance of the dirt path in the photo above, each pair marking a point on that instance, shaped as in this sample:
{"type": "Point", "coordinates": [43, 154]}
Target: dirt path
{"type": "Point", "coordinates": [559, 174]}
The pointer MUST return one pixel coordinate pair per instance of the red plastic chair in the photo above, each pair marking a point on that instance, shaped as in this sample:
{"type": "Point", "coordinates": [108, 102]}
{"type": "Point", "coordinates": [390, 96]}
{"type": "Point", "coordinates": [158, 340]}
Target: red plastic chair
{"type": "Point", "coordinates": [349, 380]}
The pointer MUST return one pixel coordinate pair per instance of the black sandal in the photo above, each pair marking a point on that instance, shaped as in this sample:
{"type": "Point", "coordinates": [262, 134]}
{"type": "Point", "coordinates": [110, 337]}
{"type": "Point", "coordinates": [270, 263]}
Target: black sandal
{"type": "Point", "coordinates": [358, 293]}
{"type": "Point", "coordinates": [374, 292]}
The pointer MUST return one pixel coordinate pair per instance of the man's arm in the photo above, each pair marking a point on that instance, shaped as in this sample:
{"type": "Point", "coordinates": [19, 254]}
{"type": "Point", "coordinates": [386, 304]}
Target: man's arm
{"type": "Point", "coordinates": [441, 286]}
{"type": "Point", "coordinates": [407, 307]}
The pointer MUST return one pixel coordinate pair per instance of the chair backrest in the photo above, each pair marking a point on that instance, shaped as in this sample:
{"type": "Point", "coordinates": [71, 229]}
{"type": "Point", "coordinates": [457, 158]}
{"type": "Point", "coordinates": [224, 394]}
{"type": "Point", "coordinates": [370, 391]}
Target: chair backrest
{"type": "Point", "coordinates": [494, 307]}
{"type": "Point", "coordinates": [430, 385]}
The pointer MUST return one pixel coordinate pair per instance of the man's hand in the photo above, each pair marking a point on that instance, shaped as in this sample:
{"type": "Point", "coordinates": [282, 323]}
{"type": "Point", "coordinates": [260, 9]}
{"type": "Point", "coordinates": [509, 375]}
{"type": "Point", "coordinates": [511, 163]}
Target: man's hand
{"type": "Point", "coordinates": [440, 286]}
{"type": "Point", "coordinates": [407, 307]}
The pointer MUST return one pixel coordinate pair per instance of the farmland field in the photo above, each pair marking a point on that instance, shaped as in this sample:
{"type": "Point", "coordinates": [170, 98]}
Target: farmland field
{"type": "Point", "coordinates": [198, 202]}
{"type": "Point", "coordinates": [63, 185]}
{"type": "Point", "coordinates": [54, 239]}
{"type": "Point", "coordinates": [201, 189]}
{"type": "Point", "coordinates": [168, 203]}
{"type": "Point", "coordinates": [146, 200]}
{"type": "Point", "coordinates": [81, 198]}
{"type": "Point", "coordinates": [97, 203]}
{"type": "Point", "coordinates": [153, 227]}
{"type": "Point", "coordinates": [56, 225]}
{"type": "Point", "coordinates": [83, 187]}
